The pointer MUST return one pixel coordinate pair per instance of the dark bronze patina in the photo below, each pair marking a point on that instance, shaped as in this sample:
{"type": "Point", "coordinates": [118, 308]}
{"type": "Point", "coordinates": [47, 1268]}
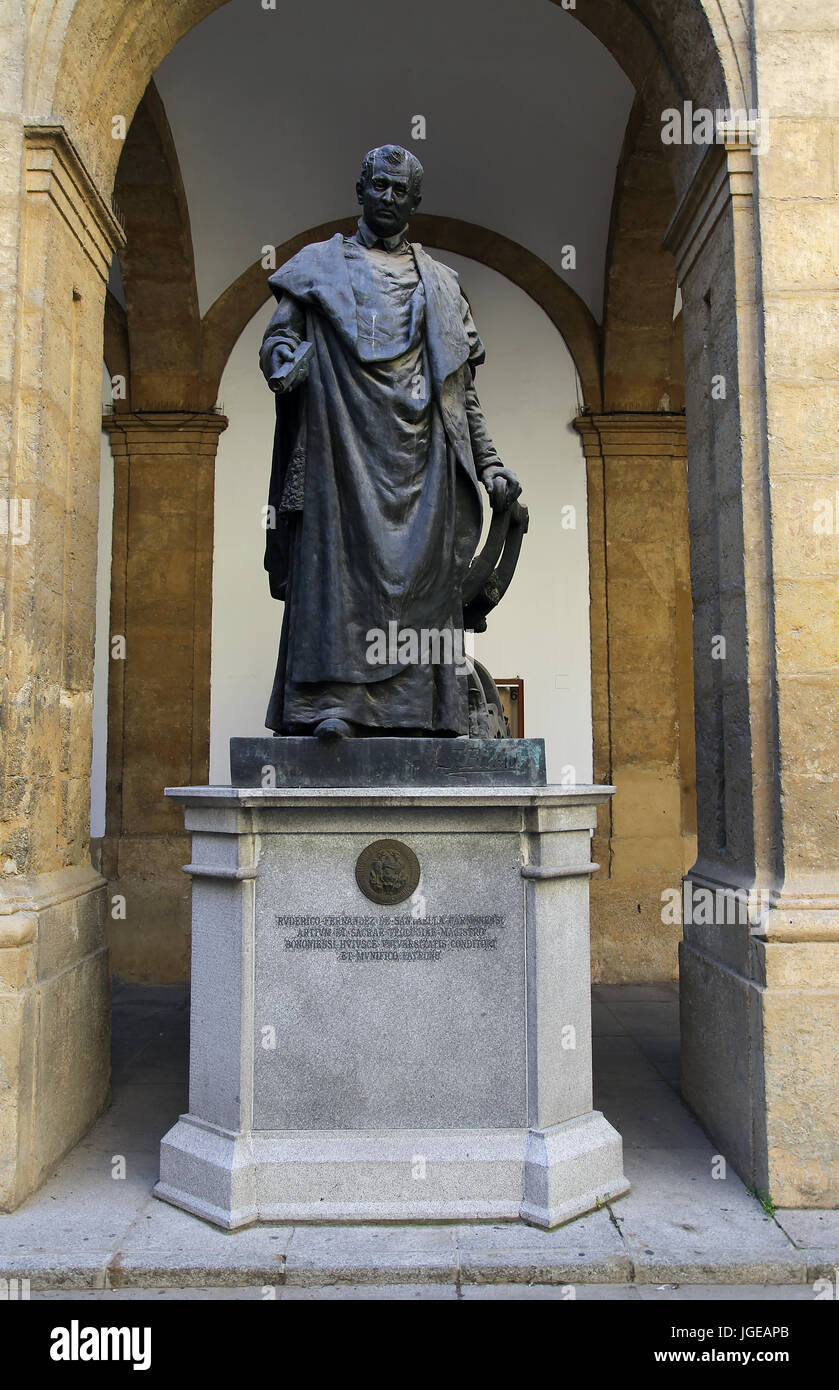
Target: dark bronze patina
{"type": "Point", "coordinates": [380, 452]}
{"type": "Point", "coordinates": [387, 872]}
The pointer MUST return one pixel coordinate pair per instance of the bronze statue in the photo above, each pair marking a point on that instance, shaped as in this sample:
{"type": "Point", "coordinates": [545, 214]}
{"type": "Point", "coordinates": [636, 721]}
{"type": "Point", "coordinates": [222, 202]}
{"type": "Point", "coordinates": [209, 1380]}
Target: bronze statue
{"type": "Point", "coordinates": [380, 449]}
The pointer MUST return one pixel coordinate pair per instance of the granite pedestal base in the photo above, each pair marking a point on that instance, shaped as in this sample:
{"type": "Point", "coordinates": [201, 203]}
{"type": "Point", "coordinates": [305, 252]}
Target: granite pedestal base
{"type": "Point", "coordinates": [427, 1058]}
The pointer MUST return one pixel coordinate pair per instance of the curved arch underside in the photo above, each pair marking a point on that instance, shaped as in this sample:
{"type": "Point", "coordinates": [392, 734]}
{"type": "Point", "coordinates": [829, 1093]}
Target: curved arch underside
{"type": "Point", "coordinates": [631, 364]}
{"type": "Point", "coordinates": [93, 58]}
{"type": "Point", "coordinates": [158, 273]}
{"type": "Point", "coordinates": [232, 311]}
{"type": "Point", "coordinates": [642, 368]}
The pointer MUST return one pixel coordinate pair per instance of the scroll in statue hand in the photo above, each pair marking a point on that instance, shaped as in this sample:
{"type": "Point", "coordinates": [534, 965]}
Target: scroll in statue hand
{"type": "Point", "coordinates": [289, 373]}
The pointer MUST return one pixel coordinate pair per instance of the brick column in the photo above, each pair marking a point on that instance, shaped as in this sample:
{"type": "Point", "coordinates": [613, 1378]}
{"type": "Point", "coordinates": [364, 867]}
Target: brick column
{"type": "Point", "coordinates": [159, 692]}
{"type": "Point", "coordinates": [641, 685]}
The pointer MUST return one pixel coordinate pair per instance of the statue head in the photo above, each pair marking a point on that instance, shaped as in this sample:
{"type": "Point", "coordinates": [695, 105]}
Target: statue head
{"type": "Point", "coordinates": [389, 188]}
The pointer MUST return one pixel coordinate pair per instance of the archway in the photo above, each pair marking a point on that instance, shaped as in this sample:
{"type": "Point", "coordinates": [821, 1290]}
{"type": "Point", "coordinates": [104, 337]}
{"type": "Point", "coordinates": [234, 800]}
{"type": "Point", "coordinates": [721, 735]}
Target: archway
{"type": "Point", "coordinates": [646, 948]}
{"type": "Point", "coordinates": [86, 64]}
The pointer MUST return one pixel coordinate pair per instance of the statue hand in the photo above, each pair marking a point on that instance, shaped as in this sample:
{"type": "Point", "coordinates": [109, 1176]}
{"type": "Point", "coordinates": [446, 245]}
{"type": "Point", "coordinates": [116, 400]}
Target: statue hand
{"type": "Point", "coordinates": [502, 485]}
{"type": "Point", "coordinates": [281, 355]}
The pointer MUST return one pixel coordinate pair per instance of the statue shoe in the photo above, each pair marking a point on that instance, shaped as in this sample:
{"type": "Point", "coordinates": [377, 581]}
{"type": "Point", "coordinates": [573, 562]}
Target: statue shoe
{"type": "Point", "coordinates": [334, 728]}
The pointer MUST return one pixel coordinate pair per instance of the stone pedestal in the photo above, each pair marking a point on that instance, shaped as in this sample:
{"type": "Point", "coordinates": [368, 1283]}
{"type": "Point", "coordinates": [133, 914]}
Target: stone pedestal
{"type": "Point", "coordinates": [390, 1031]}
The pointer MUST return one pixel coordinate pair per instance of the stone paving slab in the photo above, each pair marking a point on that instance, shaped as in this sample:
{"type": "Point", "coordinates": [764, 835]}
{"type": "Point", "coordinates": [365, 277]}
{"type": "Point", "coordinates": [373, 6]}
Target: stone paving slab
{"type": "Point", "coordinates": [658, 1049]}
{"type": "Point", "coordinates": [207, 1269]}
{"type": "Point", "coordinates": [590, 1249]}
{"type": "Point", "coordinates": [58, 1269]}
{"type": "Point", "coordinates": [87, 1232]}
{"type": "Point", "coordinates": [603, 1022]}
{"type": "Point", "coordinates": [374, 1240]}
{"type": "Point", "coordinates": [672, 1255]}
{"type": "Point", "coordinates": [694, 1269]}
{"type": "Point", "coordinates": [82, 1205]}
{"type": "Point", "coordinates": [649, 1017]}
{"type": "Point", "coordinates": [593, 1236]}
{"type": "Point", "coordinates": [619, 1063]}
{"type": "Point", "coordinates": [428, 1293]}
{"type": "Point", "coordinates": [731, 1293]}
{"type": "Point", "coordinates": [499, 1267]}
{"type": "Point", "coordinates": [556, 1293]}
{"type": "Point", "coordinates": [408, 1265]}
{"type": "Point", "coordinates": [650, 1117]}
{"type": "Point", "coordinates": [159, 1227]}
{"type": "Point", "coordinates": [814, 1230]}
{"type": "Point", "coordinates": [389, 1265]}
{"type": "Point", "coordinates": [137, 1114]}
{"type": "Point", "coordinates": [374, 1254]}
{"type": "Point", "coordinates": [681, 1225]}
{"type": "Point", "coordinates": [450, 1293]}
{"type": "Point", "coordinates": [447, 1293]}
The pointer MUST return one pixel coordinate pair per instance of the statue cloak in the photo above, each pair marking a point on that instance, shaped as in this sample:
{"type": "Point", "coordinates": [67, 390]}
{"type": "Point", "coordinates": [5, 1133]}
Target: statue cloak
{"type": "Point", "coordinates": [374, 495]}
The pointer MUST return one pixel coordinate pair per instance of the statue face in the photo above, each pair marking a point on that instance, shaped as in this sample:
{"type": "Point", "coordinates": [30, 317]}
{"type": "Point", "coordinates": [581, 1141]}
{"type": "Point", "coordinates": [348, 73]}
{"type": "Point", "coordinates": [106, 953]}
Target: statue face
{"type": "Point", "coordinates": [386, 198]}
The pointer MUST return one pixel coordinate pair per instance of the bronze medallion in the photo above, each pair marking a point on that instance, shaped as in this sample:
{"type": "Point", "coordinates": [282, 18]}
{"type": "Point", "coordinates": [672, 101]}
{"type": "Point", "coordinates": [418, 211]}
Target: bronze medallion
{"type": "Point", "coordinates": [387, 872]}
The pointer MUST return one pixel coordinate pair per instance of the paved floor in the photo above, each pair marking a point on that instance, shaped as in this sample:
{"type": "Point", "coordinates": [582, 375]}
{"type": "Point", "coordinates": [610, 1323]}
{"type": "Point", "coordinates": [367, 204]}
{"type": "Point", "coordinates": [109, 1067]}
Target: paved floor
{"type": "Point", "coordinates": [682, 1233]}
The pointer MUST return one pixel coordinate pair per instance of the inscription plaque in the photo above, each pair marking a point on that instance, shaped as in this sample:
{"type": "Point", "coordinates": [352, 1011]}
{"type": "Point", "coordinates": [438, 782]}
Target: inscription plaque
{"type": "Point", "coordinates": [390, 1017]}
{"type": "Point", "coordinates": [428, 937]}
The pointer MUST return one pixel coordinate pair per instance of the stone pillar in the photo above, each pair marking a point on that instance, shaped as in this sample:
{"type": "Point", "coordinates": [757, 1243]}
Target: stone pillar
{"type": "Point", "coordinates": [642, 693]}
{"type": "Point", "coordinates": [760, 958]}
{"type": "Point", "coordinates": [54, 988]}
{"type": "Point", "coordinates": [159, 689]}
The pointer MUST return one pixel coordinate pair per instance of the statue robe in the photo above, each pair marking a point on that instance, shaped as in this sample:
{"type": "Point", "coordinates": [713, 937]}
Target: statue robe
{"type": "Point", "coordinates": [374, 486]}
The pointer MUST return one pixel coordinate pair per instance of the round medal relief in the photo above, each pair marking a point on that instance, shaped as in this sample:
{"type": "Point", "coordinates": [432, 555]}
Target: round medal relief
{"type": "Point", "coordinates": [387, 872]}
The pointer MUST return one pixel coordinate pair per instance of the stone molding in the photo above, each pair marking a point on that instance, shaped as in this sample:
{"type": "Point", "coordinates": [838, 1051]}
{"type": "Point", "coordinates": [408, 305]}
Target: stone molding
{"type": "Point", "coordinates": [18, 930]}
{"type": "Point", "coordinates": [725, 175]}
{"type": "Point", "coordinates": [24, 897]}
{"type": "Point", "coordinates": [796, 912]}
{"type": "Point", "coordinates": [643, 433]}
{"type": "Point", "coordinates": [547, 874]}
{"type": "Point", "coordinates": [542, 808]}
{"type": "Point", "coordinates": [189, 431]}
{"type": "Point", "coordinates": [55, 170]}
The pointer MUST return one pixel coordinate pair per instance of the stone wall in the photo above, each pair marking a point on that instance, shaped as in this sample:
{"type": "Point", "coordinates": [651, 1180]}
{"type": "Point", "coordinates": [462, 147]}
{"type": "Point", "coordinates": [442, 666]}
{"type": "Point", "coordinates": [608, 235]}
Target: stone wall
{"type": "Point", "coordinates": [54, 991]}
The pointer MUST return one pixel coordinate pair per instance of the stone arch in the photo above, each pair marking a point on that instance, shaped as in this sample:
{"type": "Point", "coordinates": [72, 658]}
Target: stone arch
{"type": "Point", "coordinates": [91, 59]}
{"type": "Point", "coordinates": [641, 369]}
{"type": "Point", "coordinates": [228, 316]}
{"type": "Point", "coordinates": [158, 272]}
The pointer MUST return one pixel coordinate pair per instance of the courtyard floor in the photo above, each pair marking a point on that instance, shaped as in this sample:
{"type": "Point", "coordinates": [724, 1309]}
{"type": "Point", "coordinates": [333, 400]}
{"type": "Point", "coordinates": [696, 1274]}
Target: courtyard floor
{"type": "Point", "coordinates": [681, 1233]}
